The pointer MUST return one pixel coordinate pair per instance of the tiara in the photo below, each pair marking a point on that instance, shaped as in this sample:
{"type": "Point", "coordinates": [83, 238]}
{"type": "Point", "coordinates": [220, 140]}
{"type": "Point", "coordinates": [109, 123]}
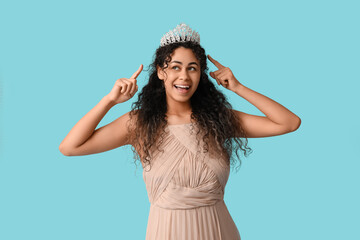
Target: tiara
{"type": "Point", "coordinates": [182, 33]}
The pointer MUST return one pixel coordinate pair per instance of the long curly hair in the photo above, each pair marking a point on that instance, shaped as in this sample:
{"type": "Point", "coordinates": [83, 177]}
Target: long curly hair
{"type": "Point", "coordinates": [210, 110]}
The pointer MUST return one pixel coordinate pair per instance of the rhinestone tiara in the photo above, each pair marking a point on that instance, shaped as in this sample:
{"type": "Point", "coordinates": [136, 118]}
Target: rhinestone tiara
{"type": "Point", "coordinates": [182, 33]}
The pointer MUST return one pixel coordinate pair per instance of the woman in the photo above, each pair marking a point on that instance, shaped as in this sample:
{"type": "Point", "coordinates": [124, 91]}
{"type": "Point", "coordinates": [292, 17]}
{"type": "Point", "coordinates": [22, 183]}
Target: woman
{"type": "Point", "coordinates": [182, 129]}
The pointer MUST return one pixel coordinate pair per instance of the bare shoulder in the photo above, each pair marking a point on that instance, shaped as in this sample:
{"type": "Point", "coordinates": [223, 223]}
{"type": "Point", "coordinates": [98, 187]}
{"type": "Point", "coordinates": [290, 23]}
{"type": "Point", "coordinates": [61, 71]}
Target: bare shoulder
{"type": "Point", "coordinates": [260, 126]}
{"type": "Point", "coordinates": [122, 128]}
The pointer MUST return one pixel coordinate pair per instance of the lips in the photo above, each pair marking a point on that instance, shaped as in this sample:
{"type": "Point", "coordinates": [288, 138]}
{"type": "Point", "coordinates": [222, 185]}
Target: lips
{"type": "Point", "coordinates": [182, 90]}
{"type": "Point", "coordinates": [182, 86]}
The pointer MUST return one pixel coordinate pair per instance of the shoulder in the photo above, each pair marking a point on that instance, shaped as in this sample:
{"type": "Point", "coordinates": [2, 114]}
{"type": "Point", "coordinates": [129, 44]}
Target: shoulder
{"type": "Point", "coordinates": [130, 120]}
{"type": "Point", "coordinates": [132, 125]}
{"type": "Point", "coordinates": [126, 119]}
{"type": "Point", "coordinates": [123, 126]}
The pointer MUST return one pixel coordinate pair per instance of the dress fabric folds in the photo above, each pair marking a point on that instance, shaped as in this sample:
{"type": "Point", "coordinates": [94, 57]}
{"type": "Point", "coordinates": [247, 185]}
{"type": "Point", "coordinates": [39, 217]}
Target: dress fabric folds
{"type": "Point", "coordinates": [186, 189]}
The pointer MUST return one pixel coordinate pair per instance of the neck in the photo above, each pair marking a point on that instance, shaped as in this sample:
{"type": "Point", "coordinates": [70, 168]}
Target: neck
{"type": "Point", "coordinates": [179, 108]}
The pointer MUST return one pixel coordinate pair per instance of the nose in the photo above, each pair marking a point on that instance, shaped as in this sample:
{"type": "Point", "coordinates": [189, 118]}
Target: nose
{"type": "Point", "coordinates": [184, 74]}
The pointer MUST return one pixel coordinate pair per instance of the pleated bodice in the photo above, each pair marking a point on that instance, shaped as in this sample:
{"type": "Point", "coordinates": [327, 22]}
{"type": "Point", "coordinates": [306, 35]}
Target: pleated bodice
{"type": "Point", "coordinates": [186, 189]}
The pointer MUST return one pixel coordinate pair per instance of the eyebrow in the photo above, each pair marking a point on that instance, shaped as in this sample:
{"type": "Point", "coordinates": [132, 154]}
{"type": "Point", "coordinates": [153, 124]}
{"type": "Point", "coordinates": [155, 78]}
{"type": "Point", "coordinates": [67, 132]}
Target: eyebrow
{"type": "Point", "coordinates": [188, 64]}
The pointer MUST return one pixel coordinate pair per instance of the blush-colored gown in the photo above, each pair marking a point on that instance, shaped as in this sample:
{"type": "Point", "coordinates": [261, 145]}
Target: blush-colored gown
{"type": "Point", "coordinates": [186, 192]}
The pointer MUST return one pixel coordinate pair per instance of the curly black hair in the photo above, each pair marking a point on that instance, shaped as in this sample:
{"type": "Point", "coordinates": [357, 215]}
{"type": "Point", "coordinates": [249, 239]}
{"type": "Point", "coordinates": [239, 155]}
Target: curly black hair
{"type": "Point", "coordinates": [210, 110]}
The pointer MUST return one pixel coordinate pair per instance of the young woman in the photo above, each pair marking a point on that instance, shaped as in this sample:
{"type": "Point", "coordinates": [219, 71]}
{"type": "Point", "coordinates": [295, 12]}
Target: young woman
{"type": "Point", "coordinates": [182, 129]}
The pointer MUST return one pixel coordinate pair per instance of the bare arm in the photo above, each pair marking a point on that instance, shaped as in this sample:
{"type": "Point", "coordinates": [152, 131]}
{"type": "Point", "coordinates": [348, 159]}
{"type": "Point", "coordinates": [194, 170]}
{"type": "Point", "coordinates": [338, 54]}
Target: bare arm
{"type": "Point", "coordinates": [83, 140]}
{"type": "Point", "coordinates": [279, 120]}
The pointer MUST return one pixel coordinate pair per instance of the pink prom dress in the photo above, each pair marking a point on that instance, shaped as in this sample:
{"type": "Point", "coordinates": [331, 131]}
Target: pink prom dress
{"type": "Point", "coordinates": [186, 190]}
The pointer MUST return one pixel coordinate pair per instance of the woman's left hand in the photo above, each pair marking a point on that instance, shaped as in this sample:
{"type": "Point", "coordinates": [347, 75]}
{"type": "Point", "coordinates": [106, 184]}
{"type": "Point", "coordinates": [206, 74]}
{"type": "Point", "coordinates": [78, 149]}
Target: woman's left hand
{"type": "Point", "coordinates": [224, 76]}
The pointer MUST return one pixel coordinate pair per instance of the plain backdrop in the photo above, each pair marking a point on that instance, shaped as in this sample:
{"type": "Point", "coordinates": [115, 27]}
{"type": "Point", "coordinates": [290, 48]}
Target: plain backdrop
{"type": "Point", "coordinates": [59, 58]}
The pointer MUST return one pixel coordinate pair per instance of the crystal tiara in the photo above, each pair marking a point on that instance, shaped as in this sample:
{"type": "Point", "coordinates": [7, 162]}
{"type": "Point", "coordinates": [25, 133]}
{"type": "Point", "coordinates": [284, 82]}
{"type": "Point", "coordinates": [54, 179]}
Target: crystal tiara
{"type": "Point", "coordinates": [182, 33]}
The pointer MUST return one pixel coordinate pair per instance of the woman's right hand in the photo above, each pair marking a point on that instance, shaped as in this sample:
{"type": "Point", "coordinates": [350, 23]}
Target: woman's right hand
{"type": "Point", "coordinates": [124, 88]}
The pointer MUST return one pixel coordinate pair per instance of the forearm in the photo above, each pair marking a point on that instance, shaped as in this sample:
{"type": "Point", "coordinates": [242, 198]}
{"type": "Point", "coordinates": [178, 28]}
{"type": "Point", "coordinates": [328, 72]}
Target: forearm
{"type": "Point", "coordinates": [85, 127]}
{"type": "Point", "coordinates": [273, 110]}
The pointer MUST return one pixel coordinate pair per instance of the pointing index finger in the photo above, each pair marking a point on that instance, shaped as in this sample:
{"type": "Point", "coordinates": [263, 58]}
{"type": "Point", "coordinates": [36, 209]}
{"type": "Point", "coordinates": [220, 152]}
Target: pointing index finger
{"type": "Point", "coordinates": [216, 63]}
{"type": "Point", "coordinates": [136, 74]}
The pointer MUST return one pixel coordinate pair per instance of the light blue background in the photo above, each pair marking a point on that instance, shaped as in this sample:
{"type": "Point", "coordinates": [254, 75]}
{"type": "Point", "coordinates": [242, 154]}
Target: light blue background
{"type": "Point", "coordinates": [59, 58]}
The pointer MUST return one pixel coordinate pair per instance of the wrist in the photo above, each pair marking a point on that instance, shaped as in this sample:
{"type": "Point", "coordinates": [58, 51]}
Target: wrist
{"type": "Point", "coordinates": [107, 101]}
{"type": "Point", "coordinates": [239, 89]}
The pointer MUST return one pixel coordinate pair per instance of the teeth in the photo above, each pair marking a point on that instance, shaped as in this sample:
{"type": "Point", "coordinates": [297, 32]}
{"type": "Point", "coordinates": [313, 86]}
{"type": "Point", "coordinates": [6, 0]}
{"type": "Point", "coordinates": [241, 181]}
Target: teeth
{"type": "Point", "coordinates": [181, 86]}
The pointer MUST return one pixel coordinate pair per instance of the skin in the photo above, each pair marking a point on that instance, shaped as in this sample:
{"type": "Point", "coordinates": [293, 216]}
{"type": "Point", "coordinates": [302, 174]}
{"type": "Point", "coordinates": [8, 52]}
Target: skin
{"type": "Point", "coordinates": [184, 69]}
{"type": "Point", "coordinates": [83, 139]}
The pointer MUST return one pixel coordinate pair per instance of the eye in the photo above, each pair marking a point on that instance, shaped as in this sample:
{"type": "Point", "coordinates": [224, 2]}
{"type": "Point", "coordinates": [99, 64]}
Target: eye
{"type": "Point", "coordinates": [178, 67]}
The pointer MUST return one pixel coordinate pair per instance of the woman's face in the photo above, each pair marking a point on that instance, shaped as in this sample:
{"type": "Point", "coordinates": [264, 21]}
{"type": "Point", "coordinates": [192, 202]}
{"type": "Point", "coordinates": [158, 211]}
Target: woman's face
{"type": "Point", "coordinates": [183, 70]}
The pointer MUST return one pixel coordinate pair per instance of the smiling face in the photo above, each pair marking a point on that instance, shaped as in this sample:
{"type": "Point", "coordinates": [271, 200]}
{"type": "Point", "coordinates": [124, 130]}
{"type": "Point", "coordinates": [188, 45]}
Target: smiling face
{"type": "Point", "coordinates": [183, 71]}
